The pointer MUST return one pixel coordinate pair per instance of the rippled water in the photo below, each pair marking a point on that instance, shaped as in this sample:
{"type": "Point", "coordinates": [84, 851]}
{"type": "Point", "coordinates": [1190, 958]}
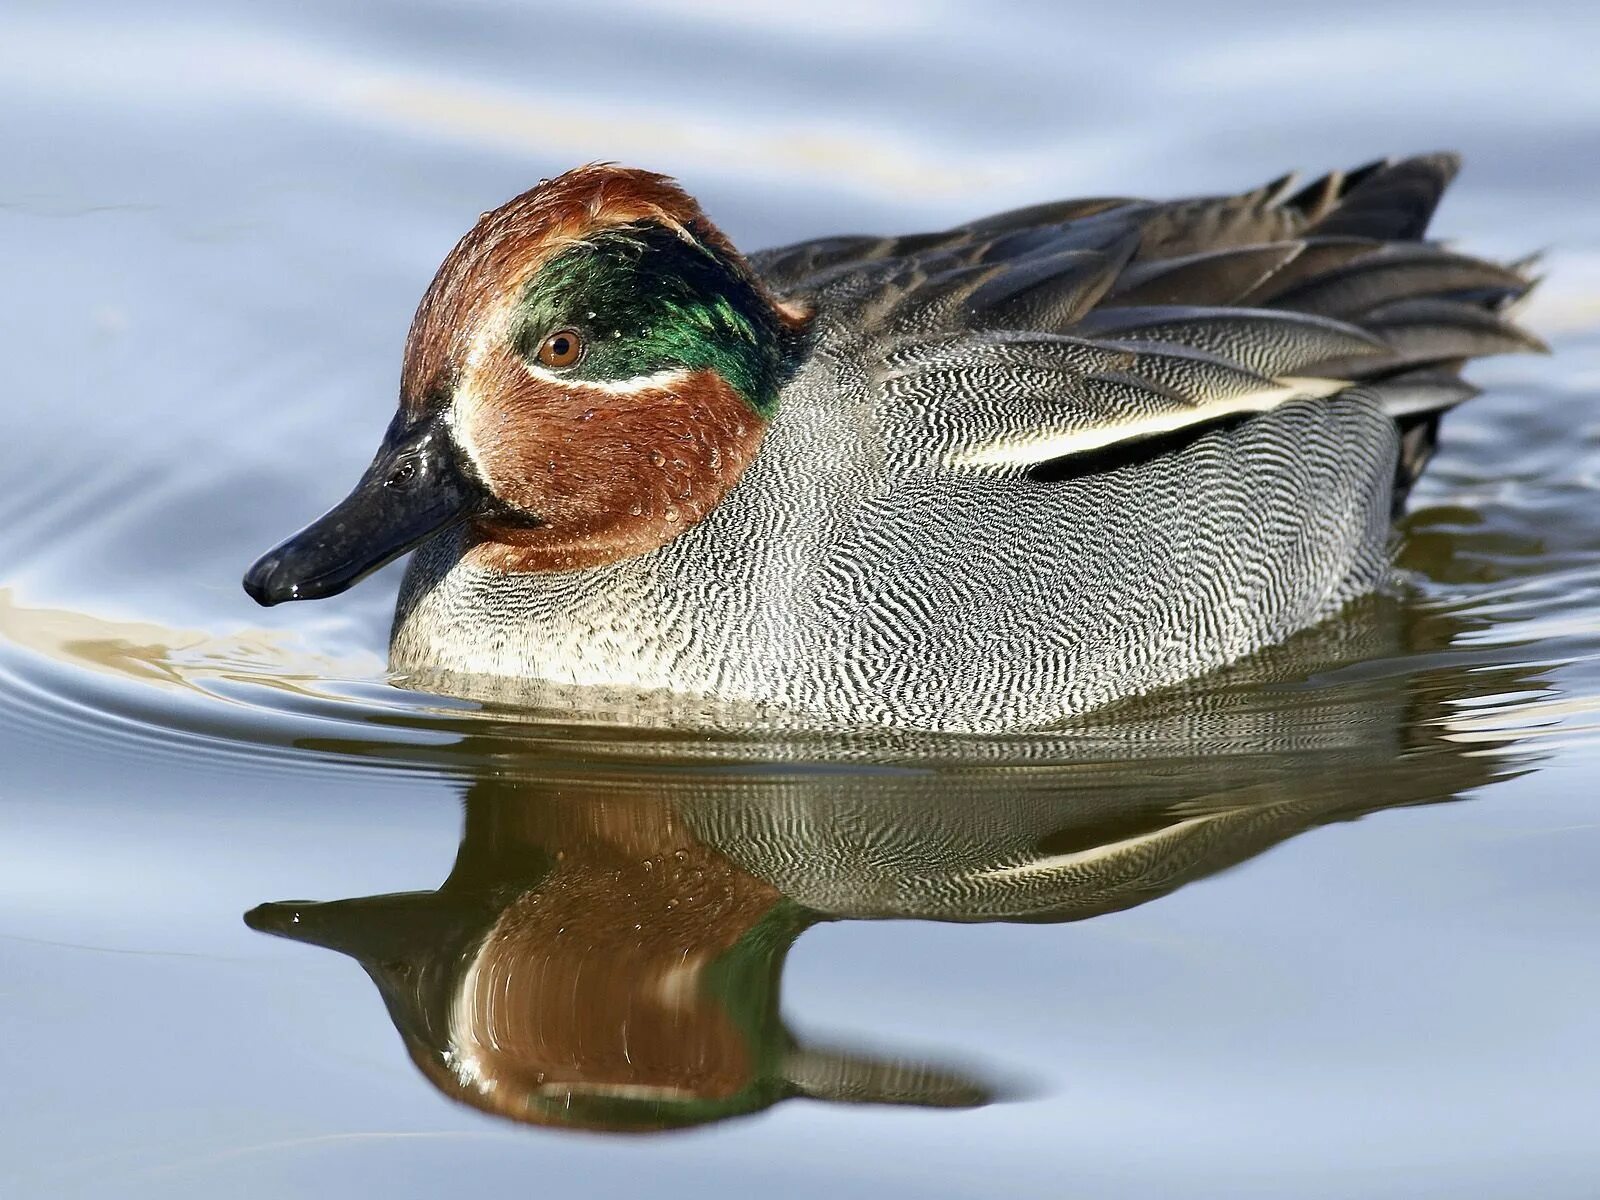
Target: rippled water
{"type": "Point", "coordinates": [216, 220]}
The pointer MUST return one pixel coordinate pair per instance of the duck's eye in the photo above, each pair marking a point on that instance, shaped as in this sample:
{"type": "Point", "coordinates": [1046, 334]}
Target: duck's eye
{"type": "Point", "coordinates": [561, 349]}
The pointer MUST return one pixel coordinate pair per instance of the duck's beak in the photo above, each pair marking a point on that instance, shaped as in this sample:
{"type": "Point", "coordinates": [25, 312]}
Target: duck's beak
{"type": "Point", "coordinates": [415, 487]}
{"type": "Point", "coordinates": [412, 944]}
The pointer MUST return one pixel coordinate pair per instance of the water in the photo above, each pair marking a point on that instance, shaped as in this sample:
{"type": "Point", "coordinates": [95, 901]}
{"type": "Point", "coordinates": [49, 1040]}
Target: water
{"type": "Point", "coordinates": [216, 220]}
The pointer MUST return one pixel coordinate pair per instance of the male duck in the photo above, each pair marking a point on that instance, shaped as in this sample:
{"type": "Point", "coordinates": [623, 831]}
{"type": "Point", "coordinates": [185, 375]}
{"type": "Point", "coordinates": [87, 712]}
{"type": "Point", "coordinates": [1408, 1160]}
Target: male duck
{"type": "Point", "coordinates": [981, 479]}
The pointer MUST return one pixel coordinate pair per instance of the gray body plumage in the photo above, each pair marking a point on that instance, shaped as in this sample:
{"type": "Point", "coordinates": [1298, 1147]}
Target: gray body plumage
{"type": "Point", "coordinates": [1029, 466]}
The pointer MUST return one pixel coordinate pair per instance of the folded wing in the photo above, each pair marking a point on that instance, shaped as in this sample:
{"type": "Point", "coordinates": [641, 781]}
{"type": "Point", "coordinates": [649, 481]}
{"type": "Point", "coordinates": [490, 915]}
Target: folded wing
{"type": "Point", "coordinates": [1046, 335]}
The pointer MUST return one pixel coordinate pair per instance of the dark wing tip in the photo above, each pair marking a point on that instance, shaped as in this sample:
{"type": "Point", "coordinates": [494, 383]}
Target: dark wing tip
{"type": "Point", "coordinates": [1390, 199]}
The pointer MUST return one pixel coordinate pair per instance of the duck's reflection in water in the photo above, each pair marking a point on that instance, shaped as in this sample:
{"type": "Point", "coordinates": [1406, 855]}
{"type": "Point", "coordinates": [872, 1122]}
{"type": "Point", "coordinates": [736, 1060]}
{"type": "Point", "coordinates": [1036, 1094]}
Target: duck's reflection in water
{"type": "Point", "coordinates": [592, 962]}
{"type": "Point", "coordinates": [608, 949]}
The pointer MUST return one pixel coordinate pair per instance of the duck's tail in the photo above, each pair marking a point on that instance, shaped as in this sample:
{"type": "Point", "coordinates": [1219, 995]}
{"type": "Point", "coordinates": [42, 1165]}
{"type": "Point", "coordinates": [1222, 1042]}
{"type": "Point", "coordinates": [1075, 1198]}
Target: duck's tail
{"type": "Point", "coordinates": [1367, 263]}
{"type": "Point", "coordinates": [1348, 250]}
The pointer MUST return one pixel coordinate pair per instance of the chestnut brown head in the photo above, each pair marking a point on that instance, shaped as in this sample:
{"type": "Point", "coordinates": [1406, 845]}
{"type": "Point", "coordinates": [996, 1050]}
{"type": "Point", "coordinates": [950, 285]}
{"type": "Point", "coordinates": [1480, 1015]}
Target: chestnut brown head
{"type": "Point", "coordinates": [587, 376]}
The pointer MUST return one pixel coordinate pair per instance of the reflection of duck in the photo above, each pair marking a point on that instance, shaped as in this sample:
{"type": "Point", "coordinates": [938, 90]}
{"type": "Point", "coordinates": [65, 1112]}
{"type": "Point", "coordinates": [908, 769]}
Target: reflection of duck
{"type": "Point", "coordinates": [607, 951]}
{"type": "Point", "coordinates": [589, 962]}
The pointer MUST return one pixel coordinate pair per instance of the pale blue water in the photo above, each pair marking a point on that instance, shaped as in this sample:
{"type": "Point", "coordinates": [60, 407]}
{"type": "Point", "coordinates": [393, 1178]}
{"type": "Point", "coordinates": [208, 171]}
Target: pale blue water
{"type": "Point", "coordinates": [216, 220]}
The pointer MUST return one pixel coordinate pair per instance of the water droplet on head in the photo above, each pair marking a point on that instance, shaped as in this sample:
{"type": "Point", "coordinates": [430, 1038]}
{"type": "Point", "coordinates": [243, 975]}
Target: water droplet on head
{"type": "Point", "coordinates": [671, 514]}
{"type": "Point", "coordinates": [588, 415]}
{"type": "Point", "coordinates": [635, 509]}
{"type": "Point", "coordinates": [658, 458]}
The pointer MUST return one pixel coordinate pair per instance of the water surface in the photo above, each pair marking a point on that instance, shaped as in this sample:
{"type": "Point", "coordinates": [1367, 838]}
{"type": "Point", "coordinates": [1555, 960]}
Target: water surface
{"type": "Point", "coordinates": [1323, 926]}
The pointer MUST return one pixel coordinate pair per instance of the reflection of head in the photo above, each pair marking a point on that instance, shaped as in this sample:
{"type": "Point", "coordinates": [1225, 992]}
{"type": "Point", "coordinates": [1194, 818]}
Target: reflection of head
{"type": "Point", "coordinates": [607, 952]}
{"type": "Point", "coordinates": [614, 974]}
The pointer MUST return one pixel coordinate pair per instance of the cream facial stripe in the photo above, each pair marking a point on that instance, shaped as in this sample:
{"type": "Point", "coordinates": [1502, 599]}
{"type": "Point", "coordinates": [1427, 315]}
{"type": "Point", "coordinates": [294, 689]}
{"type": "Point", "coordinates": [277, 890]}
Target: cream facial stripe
{"type": "Point", "coordinates": [655, 381]}
{"type": "Point", "coordinates": [462, 439]}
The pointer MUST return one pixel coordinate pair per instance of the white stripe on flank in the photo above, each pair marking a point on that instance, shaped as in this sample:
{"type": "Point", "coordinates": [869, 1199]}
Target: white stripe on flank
{"type": "Point", "coordinates": [1045, 445]}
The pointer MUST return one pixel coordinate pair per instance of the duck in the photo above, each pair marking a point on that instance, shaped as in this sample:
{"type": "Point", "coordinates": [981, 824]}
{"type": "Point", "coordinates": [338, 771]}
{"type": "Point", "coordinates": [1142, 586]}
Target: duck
{"type": "Point", "coordinates": [978, 480]}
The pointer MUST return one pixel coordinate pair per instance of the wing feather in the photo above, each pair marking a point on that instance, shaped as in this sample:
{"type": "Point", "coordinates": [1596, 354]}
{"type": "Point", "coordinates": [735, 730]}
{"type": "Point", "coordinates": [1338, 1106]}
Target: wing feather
{"type": "Point", "coordinates": [1431, 330]}
{"type": "Point", "coordinates": [1265, 341]}
{"type": "Point", "coordinates": [1063, 328]}
{"type": "Point", "coordinates": [1210, 276]}
{"type": "Point", "coordinates": [1398, 272]}
{"type": "Point", "coordinates": [1014, 404]}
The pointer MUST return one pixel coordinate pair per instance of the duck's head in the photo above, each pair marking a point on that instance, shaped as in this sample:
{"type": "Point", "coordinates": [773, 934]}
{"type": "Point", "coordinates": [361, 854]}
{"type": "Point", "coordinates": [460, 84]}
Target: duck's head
{"type": "Point", "coordinates": [587, 376]}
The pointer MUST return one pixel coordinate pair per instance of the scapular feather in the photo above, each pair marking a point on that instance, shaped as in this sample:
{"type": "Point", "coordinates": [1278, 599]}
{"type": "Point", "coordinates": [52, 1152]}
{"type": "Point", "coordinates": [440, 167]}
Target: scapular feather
{"type": "Point", "coordinates": [1063, 328]}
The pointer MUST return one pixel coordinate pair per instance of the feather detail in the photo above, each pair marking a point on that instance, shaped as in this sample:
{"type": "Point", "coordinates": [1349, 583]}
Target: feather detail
{"type": "Point", "coordinates": [1433, 330]}
{"type": "Point", "coordinates": [1269, 342]}
{"type": "Point", "coordinates": [1049, 444]}
{"type": "Point", "coordinates": [1049, 293]}
{"type": "Point", "coordinates": [1211, 276]}
{"type": "Point", "coordinates": [1398, 272]}
{"type": "Point", "coordinates": [1317, 257]}
{"type": "Point", "coordinates": [1011, 404]}
{"type": "Point", "coordinates": [1065, 328]}
{"type": "Point", "coordinates": [1393, 201]}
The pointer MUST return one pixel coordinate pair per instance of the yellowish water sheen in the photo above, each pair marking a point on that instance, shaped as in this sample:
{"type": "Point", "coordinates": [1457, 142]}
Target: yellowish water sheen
{"type": "Point", "coordinates": [270, 925]}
